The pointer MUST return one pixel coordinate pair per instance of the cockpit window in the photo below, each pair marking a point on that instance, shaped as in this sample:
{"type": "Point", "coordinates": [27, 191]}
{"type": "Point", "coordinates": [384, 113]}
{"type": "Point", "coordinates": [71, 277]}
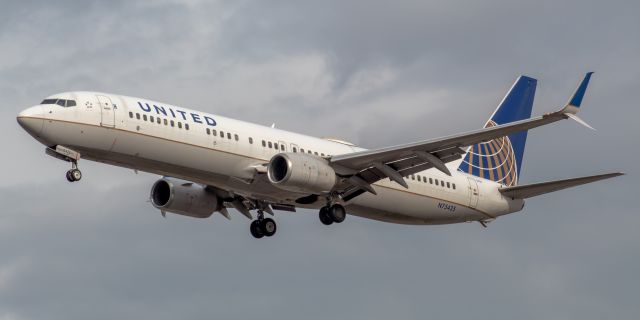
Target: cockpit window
{"type": "Point", "coordinates": [60, 102]}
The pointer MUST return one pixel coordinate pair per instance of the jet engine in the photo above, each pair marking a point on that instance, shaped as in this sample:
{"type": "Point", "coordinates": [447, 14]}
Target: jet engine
{"type": "Point", "coordinates": [301, 172]}
{"type": "Point", "coordinates": [184, 198]}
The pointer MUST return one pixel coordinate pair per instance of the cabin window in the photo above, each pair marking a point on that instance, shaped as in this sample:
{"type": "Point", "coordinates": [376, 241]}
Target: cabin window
{"type": "Point", "coordinates": [236, 137]}
{"type": "Point", "coordinates": [295, 149]}
{"type": "Point", "coordinates": [419, 178]}
{"type": "Point", "coordinates": [228, 135]}
{"type": "Point", "coordinates": [214, 132]}
{"type": "Point", "coordinates": [442, 183]}
{"type": "Point", "coordinates": [413, 177]}
{"type": "Point", "coordinates": [264, 143]}
{"type": "Point", "coordinates": [179, 125]}
{"type": "Point", "coordinates": [165, 122]}
{"type": "Point", "coordinates": [159, 120]}
{"type": "Point", "coordinates": [270, 145]}
{"type": "Point", "coordinates": [437, 182]}
{"type": "Point", "coordinates": [309, 152]}
{"type": "Point", "coordinates": [130, 114]}
{"type": "Point", "coordinates": [448, 185]}
{"type": "Point", "coordinates": [137, 116]}
{"type": "Point", "coordinates": [301, 150]}
{"type": "Point", "coordinates": [430, 181]}
{"type": "Point", "coordinates": [453, 185]}
{"type": "Point", "coordinates": [172, 123]}
{"type": "Point", "coordinates": [322, 154]}
{"type": "Point", "coordinates": [144, 117]}
{"type": "Point", "coordinates": [282, 147]}
{"type": "Point", "coordinates": [250, 140]}
{"type": "Point", "coordinates": [208, 131]}
{"type": "Point", "coordinates": [186, 126]}
{"type": "Point", "coordinates": [151, 119]}
{"type": "Point", "coordinates": [222, 134]}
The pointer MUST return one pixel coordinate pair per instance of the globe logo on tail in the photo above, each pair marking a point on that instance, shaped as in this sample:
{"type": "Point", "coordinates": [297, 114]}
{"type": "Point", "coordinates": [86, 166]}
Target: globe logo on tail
{"type": "Point", "coordinates": [493, 160]}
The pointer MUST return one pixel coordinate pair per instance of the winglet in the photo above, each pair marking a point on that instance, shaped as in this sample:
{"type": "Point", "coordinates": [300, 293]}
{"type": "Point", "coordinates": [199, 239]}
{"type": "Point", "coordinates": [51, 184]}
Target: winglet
{"type": "Point", "coordinates": [573, 106]}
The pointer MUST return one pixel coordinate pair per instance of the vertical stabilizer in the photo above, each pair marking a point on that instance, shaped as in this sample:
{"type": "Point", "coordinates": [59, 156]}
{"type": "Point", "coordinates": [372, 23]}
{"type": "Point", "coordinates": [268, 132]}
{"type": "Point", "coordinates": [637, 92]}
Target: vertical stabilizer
{"type": "Point", "coordinates": [500, 159]}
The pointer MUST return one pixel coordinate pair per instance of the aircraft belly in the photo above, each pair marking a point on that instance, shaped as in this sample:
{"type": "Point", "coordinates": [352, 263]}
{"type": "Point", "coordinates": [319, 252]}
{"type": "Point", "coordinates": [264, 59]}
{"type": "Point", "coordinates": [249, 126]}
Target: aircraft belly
{"type": "Point", "coordinates": [406, 207]}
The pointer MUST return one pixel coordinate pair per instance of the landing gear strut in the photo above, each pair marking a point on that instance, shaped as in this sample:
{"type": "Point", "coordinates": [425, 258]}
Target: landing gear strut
{"type": "Point", "coordinates": [330, 214]}
{"type": "Point", "coordinates": [262, 226]}
{"type": "Point", "coordinates": [74, 174]}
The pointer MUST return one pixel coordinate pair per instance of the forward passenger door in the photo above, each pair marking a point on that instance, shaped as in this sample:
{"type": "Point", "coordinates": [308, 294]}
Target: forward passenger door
{"type": "Point", "coordinates": [108, 114]}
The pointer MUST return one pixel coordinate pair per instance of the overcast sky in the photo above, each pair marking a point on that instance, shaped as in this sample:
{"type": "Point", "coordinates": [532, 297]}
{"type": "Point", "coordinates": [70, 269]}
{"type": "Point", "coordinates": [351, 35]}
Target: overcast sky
{"type": "Point", "coordinates": [373, 72]}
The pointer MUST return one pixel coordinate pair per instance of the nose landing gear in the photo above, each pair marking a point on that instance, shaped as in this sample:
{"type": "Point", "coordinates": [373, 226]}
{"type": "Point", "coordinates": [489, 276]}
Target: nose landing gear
{"type": "Point", "coordinates": [65, 154]}
{"type": "Point", "coordinates": [74, 174]}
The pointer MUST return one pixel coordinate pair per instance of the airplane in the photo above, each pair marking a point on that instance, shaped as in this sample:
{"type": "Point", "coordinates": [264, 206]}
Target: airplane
{"type": "Point", "coordinates": [210, 163]}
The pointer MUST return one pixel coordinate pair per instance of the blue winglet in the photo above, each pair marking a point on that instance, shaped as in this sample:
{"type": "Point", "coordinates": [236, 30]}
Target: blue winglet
{"type": "Point", "coordinates": [576, 100]}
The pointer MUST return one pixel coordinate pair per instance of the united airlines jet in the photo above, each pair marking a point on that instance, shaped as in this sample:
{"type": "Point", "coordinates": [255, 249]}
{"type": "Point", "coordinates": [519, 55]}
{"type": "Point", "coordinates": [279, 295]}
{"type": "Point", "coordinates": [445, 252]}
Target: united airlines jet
{"type": "Point", "coordinates": [209, 163]}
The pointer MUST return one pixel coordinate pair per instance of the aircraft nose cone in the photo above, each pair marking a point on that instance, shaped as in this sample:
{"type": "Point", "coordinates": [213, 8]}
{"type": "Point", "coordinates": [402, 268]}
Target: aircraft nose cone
{"type": "Point", "coordinates": [31, 120]}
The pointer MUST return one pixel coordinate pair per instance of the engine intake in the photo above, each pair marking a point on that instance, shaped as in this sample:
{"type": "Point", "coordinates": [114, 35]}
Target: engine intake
{"type": "Point", "coordinates": [184, 198]}
{"type": "Point", "coordinates": [301, 172]}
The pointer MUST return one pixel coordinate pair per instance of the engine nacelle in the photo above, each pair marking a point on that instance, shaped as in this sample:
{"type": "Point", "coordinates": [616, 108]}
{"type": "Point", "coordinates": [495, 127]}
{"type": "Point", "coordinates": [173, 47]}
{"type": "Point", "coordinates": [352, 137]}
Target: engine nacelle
{"type": "Point", "coordinates": [301, 172]}
{"type": "Point", "coordinates": [184, 198]}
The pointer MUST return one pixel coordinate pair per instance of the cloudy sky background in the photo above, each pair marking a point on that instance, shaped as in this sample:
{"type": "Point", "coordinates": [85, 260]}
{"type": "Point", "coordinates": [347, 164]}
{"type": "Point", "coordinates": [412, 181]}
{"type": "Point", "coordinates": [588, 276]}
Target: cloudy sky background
{"type": "Point", "coordinates": [373, 72]}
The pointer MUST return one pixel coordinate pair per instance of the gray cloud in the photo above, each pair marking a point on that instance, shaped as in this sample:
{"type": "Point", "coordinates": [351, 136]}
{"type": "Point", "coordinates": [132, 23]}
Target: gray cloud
{"type": "Point", "coordinates": [372, 72]}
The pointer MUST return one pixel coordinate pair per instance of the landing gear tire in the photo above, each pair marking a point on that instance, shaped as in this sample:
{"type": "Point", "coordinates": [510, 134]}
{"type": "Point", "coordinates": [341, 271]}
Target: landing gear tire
{"type": "Point", "coordinates": [337, 213]}
{"type": "Point", "coordinates": [74, 175]}
{"type": "Point", "coordinates": [325, 218]}
{"type": "Point", "coordinates": [256, 230]}
{"type": "Point", "coordinates": [268, 227]}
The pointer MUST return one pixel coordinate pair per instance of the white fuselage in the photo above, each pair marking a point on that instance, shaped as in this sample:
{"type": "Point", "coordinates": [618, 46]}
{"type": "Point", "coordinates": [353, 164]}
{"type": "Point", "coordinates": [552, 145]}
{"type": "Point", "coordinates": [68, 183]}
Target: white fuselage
{"type": "Point", "coordinates": [119, 130]}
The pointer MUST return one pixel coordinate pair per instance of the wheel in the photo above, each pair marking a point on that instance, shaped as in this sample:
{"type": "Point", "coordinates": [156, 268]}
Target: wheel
{"type": "Point", "coordinates": [255, 229]}
{"type": "Point", "coordinates": [324, 216]}
{"type": "Point", "coordinates": [69, 177]}
{"type": "Point", "coordinates": [268, 227]}
{"type": "Point", "coordinates": [337, 213]}
{"type": "Point", "coordinates": [76, 174]}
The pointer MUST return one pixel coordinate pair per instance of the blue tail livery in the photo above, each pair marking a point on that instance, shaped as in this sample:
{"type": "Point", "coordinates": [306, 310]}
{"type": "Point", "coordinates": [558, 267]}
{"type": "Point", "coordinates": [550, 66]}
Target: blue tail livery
{"type": "Point", "coordinates": [500, 159]}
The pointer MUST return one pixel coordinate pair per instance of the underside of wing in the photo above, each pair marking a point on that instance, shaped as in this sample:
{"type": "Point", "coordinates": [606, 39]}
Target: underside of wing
{"type": "Point", "coordinates": [404, 160]}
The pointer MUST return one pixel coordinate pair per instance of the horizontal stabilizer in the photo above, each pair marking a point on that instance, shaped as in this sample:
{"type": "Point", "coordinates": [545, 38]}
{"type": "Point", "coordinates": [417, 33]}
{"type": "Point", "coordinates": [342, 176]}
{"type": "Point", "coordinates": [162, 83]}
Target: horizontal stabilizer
{"type": "Point", "coordinates": [536, 189]}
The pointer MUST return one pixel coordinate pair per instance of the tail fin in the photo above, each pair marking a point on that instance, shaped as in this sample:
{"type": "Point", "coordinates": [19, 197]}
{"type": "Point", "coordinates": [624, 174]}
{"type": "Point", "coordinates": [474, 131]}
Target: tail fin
{"type": "Point", "coordinates": [500, 159]}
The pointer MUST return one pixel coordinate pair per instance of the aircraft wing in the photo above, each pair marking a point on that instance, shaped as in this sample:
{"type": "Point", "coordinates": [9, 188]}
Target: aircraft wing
{"type": "Point", "coordinates": [366, 167]}
{"type": "Point", "coordinates": [536, 189]}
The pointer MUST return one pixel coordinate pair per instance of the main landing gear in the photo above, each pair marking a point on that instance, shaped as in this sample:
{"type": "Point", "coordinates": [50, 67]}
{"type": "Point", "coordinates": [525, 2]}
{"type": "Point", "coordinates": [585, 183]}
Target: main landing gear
{"type": "Point", "coordinates": [330, 214]}
{"type": "Point", "coordinates": [262, 226]}
{"type": "Point", "coordinates": [74, 174]}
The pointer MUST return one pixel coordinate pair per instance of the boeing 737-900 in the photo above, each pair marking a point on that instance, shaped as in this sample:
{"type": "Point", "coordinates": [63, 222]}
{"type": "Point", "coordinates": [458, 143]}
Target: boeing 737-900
{"type": "Point", "coordinates": [209, 163]}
